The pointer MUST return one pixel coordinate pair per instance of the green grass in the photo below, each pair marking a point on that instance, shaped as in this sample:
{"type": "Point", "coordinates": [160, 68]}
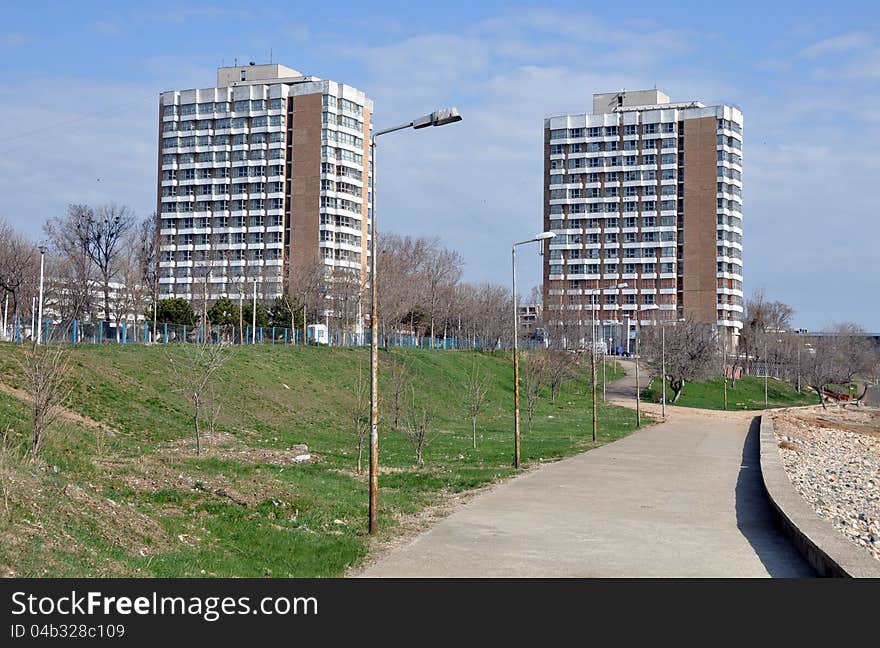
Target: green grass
{"type": "Point", "coordinates": [138, 501]}
{"type": "Point", "coordinates": [747, 394]}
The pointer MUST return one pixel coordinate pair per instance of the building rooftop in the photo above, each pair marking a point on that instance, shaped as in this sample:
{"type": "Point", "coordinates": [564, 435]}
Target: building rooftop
{"type": "Point", "coordinates": [263, 73]}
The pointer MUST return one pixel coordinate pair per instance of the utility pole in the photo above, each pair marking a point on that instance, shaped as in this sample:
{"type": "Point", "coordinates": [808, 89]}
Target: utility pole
{"type": "Point", "coordinates": [638, 386]}
{"type": "Point", "coordinates": [663, 364]}
{"type": "Point", "coordinates": [593, 358]}
{"type": "Point", "coordinates": [766, 372]}
{"type": "Point", "coordinates": [241, 313]}
{"type": "Point", "coordinates": [724, 365]}
{"type": "Point", "coordinates": [254, 316]}
{"type": "Point", "coordinates": [40, 322]}
{"type": "Point", "coordinates": [516, 425]}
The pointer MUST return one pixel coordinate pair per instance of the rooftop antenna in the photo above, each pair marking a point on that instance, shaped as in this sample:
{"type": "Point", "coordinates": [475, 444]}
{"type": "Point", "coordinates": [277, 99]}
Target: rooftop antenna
{"type": "Point", "coordinates": [270, 55]}
{"type": "Point", "coordinates": [235, 62]}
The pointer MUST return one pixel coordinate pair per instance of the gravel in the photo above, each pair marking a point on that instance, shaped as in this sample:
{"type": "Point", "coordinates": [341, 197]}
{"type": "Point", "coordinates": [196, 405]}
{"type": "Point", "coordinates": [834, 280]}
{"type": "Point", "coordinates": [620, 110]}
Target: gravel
{"type": "Point", "coordinates": [833, 459]}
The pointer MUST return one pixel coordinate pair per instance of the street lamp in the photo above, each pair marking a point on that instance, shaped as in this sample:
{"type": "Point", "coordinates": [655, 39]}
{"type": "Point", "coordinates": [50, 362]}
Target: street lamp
{"type": "Point", "coordinates": [597, 291]}
{"type": "Point", "coordinates": [437, 118]}
{"type": "Point", "coordinates": [254, 316]}
{"type": "Point", "coordinates": [638, 339]}
{"type": "Point", "coordinates": [40, 317]}
{"type": "Point", "coordinates": [543, 236]}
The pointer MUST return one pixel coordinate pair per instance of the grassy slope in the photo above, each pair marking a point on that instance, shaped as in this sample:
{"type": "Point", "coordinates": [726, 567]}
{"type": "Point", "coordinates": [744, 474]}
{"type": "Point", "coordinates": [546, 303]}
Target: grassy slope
{"type": "Point", "coordinates": [137, 500]}
{"type": "Point", "coordinates": [748, 394]}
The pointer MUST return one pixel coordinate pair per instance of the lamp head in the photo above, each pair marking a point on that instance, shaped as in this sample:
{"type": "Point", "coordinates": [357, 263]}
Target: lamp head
{"type": "Point", "coordinates": [439, 117]}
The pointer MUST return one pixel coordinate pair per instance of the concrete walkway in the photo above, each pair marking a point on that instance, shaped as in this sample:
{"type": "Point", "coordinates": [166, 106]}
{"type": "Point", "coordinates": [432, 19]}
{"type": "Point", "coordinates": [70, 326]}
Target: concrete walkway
{"type": "Point", "coordinates": [680, 499]}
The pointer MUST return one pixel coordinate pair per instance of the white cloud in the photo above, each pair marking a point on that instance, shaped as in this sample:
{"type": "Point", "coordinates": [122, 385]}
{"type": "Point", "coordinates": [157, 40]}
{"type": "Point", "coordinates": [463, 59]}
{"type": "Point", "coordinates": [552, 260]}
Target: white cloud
{"type": "Point", "coordinates": [837, 44]}
{"type": "Point", "coordinates": [14, 40]}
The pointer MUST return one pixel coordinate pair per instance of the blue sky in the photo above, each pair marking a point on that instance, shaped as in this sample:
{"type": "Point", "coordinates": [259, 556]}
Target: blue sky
{"type": "Point", "coordinates": [81, 83]}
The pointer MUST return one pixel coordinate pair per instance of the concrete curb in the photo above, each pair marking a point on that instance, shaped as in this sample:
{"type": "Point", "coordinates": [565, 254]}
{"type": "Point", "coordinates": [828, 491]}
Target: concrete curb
{"type": "Point", "coordinates": [823, 546]}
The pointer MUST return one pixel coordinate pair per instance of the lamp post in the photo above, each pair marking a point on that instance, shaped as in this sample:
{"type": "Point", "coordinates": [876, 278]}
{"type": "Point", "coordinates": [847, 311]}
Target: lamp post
{"type": "Point", "coordinates": [254, 316]}
{"type": "Point", "coordinates": [40, 317]}
{"type": "Point", "coordinates": [437, 118]}
{"type": "Point", "coordinates": [597, 291]}
{"type": "Point", "coordinates": [543, 236]}
{"type": "Point", "coordinates": [663, 366]}
{"type": "Point", "coordinates": [766, 371]}
{"type": "Point", "coordinates": [638, 385]}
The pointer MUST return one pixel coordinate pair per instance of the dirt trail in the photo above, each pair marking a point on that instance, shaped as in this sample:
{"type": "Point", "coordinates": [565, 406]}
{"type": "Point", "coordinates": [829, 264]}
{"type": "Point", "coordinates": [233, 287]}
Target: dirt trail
{"type": "Point", "coordinates": [63, 412]}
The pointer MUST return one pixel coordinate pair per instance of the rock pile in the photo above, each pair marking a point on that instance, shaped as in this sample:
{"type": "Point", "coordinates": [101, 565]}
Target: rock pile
{"type": "Point", "coordinates": [833, 460]}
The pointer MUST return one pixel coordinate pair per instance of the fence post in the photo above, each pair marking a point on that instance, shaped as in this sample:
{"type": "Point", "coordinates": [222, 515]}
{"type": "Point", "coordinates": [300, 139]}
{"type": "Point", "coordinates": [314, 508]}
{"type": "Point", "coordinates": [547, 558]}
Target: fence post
{"type": "Point", "coordinates": [165, 333]}
{"type": "Point", "coordinates": [273, 335]}
{"type": "Point", "coordinates": [285, 336]}
{"type": "Point", "coordinates": [74, 334]}
{"type": "Point", "coordinates": [124, 332]}
{"type": "Point", "coordinates": [247, 334]}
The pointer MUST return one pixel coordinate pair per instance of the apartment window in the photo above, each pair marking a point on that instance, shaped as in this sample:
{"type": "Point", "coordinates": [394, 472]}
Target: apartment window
{"type": "Point", "coordinates": [630, 129]}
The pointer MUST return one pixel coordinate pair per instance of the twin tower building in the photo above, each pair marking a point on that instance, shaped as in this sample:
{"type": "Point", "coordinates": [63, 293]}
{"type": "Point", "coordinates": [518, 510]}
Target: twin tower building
{"type": "Point", "coordinates": [268, 174]}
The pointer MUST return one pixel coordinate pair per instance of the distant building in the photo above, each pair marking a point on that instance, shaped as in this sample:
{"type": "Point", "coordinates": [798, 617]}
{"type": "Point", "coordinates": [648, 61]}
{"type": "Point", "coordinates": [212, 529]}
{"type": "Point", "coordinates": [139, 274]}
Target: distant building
{"type": "Point", "coordinates": [529, 318]}
{"type": "Point", "coordinates": [648, 193]}
{"type": "Point", "coordinates": [259, 177]}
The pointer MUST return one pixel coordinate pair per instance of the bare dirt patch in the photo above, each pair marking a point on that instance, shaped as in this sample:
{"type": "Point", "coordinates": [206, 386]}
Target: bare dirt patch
{"type": "Point", "coordinates": [222, 445]}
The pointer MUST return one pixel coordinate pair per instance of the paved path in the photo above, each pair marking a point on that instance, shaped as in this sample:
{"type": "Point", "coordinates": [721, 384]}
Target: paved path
{"type": "Point", "coordinates": [682, 498]}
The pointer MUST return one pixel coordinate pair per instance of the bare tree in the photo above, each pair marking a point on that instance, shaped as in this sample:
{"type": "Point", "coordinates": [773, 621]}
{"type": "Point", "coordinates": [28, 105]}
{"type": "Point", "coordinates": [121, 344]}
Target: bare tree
{"type": "Point", "coordinates": [308, 287]}
{"type": "Point", "coordinates": [70, 242]}
{"type": "Point", "coordinates": [691, 352]}
{"type": "Point", "coordinates": [477, 390]}
{"type": "Point", "coordinates": [401, 383]}
{"type": "Point", "coordinates": [442, 273]}
{"type": "Point", "coordinates": [45, 369]}
{"type": "Point", "coordinates": [417, 427]}
{"type": "Point", "coordinates": [763, 319]}
{"type": "Point", "coordinates": [195, 368]}
{"type": "Point", "coordinates": [534, 379]}
{"type": "Point", "coordinates": [359, 414]}
{"type": "Point", "coordinates": [559, 366]}
{"type": "Point", "coordinates": [105, 233]}
{"type": "Point", "coordinates": [147, 255]}
{"type": "Point", "coordinates": [19, 265]}
{"type": "Point", "coordinates": [837, 358]}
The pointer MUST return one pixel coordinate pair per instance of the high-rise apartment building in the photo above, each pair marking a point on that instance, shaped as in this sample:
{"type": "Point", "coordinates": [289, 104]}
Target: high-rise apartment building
{"type": "Point", "coordinates": [259, 177]}
{"type": "Point", "coordinates": [645, 196]}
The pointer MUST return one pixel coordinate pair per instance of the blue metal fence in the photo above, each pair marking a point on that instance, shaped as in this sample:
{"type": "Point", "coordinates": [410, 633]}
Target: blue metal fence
{"type": "Point", "coordinates": [76, 332]}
